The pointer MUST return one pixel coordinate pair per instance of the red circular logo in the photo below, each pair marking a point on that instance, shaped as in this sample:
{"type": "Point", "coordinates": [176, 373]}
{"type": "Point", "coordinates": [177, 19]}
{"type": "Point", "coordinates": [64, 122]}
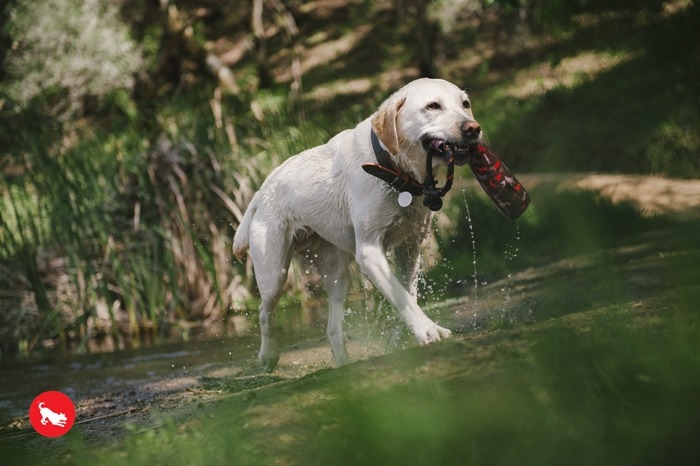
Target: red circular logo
{"type": "Point", "coordinates": [52, 414]}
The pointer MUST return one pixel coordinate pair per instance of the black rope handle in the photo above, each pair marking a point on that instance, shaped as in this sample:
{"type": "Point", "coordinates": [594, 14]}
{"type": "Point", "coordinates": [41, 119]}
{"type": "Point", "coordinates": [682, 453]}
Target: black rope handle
{"type": "Point", "coordinates": [431, 193]}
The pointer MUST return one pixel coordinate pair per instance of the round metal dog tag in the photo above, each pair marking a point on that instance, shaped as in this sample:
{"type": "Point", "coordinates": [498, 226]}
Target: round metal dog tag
{"type": "Point", "coordinates": [405, 199]}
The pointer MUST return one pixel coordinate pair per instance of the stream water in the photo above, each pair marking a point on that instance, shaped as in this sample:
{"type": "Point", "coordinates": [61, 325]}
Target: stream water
{"type": "Point", "coordinates": [85, 376]}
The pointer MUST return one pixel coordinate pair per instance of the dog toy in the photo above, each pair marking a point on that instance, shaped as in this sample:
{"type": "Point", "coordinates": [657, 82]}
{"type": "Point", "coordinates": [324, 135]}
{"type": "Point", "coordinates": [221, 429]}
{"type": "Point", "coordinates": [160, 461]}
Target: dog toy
{"type": "Point", "coordinates": [496, 180]}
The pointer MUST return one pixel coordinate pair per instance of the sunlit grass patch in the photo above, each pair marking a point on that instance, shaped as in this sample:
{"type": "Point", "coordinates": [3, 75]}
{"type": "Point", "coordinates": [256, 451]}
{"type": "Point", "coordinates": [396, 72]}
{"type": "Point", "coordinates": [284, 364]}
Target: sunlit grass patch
{"type": "Point", "coordinates": [567, 73]}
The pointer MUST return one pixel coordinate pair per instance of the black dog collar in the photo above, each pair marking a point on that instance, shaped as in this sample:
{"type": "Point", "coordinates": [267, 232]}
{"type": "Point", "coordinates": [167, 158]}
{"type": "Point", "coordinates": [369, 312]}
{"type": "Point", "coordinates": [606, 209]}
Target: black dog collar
{"type": "Point", "coordinates": [386, 170]}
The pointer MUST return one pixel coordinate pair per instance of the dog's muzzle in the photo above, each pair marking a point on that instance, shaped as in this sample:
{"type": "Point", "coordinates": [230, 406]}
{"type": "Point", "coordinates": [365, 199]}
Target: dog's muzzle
{"type": "Point", "coordinates": [460, 149]}
{"type": "Point", "coordinates": [444, 149]}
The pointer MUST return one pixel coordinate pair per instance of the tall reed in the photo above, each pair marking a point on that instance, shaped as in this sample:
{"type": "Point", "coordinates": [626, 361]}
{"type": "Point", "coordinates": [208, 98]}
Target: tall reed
{"type": "Point", "coordinates": [121, 232]}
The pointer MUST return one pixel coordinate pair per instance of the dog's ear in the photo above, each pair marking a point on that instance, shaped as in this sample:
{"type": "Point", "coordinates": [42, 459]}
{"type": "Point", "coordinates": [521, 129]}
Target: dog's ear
{"type": "Point", "coordinates": [385, 122]}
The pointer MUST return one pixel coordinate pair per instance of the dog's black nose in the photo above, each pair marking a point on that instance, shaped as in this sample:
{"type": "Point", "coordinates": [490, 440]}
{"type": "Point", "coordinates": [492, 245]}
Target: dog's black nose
{"type": "Point", "coordinates": [471, 129]}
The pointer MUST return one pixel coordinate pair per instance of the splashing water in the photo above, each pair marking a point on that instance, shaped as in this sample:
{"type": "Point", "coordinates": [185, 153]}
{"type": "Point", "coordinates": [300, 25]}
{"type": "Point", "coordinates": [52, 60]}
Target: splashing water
{"type": "Point", "coordinates": [377, 321]}
{"type": "Point", "coordinates": [510, 254]}
{"type": "Point", "coordinates": [473, 241]}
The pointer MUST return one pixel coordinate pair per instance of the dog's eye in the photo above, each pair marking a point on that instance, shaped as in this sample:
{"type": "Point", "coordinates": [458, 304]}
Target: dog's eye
{"type": "Point", "coordinates": [467, 104]}
{"type": "Point", "coordinates": [434, 106]}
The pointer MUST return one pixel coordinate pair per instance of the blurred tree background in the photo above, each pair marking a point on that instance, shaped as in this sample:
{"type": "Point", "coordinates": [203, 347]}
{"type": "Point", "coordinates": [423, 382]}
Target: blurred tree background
{"type": "Point", "coordinates": [133, 133]}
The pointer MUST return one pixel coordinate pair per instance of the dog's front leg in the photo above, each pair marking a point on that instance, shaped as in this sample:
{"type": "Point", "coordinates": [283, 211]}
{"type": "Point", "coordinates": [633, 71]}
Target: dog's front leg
{"type": "Point", "coordinates": [371, 257]}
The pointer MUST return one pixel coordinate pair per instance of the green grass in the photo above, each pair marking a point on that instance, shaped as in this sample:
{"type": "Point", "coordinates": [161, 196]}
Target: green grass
{"type": "Point", "coordinates": [568, 397]}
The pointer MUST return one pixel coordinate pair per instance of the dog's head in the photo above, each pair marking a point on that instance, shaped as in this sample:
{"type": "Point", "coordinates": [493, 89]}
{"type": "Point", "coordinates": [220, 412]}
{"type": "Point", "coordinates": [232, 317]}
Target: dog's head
{"type": "Point", "coordinates": [427, 115]}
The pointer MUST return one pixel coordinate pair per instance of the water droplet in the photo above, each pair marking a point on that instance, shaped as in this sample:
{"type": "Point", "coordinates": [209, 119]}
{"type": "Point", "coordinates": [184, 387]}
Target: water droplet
{"type": "Point", "coordinates": [473, 241]}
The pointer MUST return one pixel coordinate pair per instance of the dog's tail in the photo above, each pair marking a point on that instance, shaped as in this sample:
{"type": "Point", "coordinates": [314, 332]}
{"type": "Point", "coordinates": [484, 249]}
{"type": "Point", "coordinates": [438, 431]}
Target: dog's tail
{"type": "Point", "coordinates": [241, 240]}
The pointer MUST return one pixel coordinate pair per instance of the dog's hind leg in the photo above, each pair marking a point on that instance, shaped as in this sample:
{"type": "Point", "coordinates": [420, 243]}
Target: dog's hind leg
{"type": "Point", "coordinates": [408, 267]}
{"type": "Point", "coordinates": [270, 251]}
{"type": "Point", "coordinates": [333, 267]}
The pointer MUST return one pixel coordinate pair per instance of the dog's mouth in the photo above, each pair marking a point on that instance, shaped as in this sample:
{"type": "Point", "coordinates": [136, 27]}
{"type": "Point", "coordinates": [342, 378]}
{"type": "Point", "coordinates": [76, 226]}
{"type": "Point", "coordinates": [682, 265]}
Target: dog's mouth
{"type": "Point", "coordinates": [442, 148]}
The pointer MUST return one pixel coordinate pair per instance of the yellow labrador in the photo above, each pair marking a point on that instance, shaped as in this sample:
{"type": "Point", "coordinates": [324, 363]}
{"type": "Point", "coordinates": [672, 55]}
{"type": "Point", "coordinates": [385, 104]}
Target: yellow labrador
{"type": "Point", "coordinates": [325, 201]}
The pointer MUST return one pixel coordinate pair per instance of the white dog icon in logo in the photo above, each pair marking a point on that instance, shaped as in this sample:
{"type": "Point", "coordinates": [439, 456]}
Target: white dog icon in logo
{"type": "Point", "coordinates": [47, 415]}
{"type": "Point", "coordinates": [52, 414]}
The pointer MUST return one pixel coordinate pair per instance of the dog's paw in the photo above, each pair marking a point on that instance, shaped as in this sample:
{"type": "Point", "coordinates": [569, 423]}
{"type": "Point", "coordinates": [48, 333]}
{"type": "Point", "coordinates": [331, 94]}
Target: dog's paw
{"type": "Point", "coordinates": [269, 360]}
{"type": "Point", "coordinates": [431, 333]}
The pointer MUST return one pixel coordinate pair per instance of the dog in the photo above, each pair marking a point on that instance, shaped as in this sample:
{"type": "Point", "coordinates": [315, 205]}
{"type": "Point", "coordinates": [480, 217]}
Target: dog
{"type": "Point", "coordinates": [57, 419]}
{"type": "Point", "coordinates": [325, 203]}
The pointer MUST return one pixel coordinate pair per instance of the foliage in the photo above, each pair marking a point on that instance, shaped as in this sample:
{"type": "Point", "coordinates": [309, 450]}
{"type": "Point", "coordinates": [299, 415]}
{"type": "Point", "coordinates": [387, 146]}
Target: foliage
{"type": "Point", "coordinates": [120, 235]}
{"type": "Point", "coordinates": [68, 50]}
{"type": "Point", "coordinates": [596, 118]}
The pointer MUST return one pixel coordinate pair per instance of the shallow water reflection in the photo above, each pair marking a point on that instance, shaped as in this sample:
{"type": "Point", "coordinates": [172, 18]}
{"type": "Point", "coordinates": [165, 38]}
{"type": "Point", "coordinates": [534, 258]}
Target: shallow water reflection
{"type": "Point", "coordinates": [84, 376]}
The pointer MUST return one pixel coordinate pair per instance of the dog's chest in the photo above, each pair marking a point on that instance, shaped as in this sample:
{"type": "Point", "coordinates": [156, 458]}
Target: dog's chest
{"type": "Point", "coordinates": [409, 224]}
